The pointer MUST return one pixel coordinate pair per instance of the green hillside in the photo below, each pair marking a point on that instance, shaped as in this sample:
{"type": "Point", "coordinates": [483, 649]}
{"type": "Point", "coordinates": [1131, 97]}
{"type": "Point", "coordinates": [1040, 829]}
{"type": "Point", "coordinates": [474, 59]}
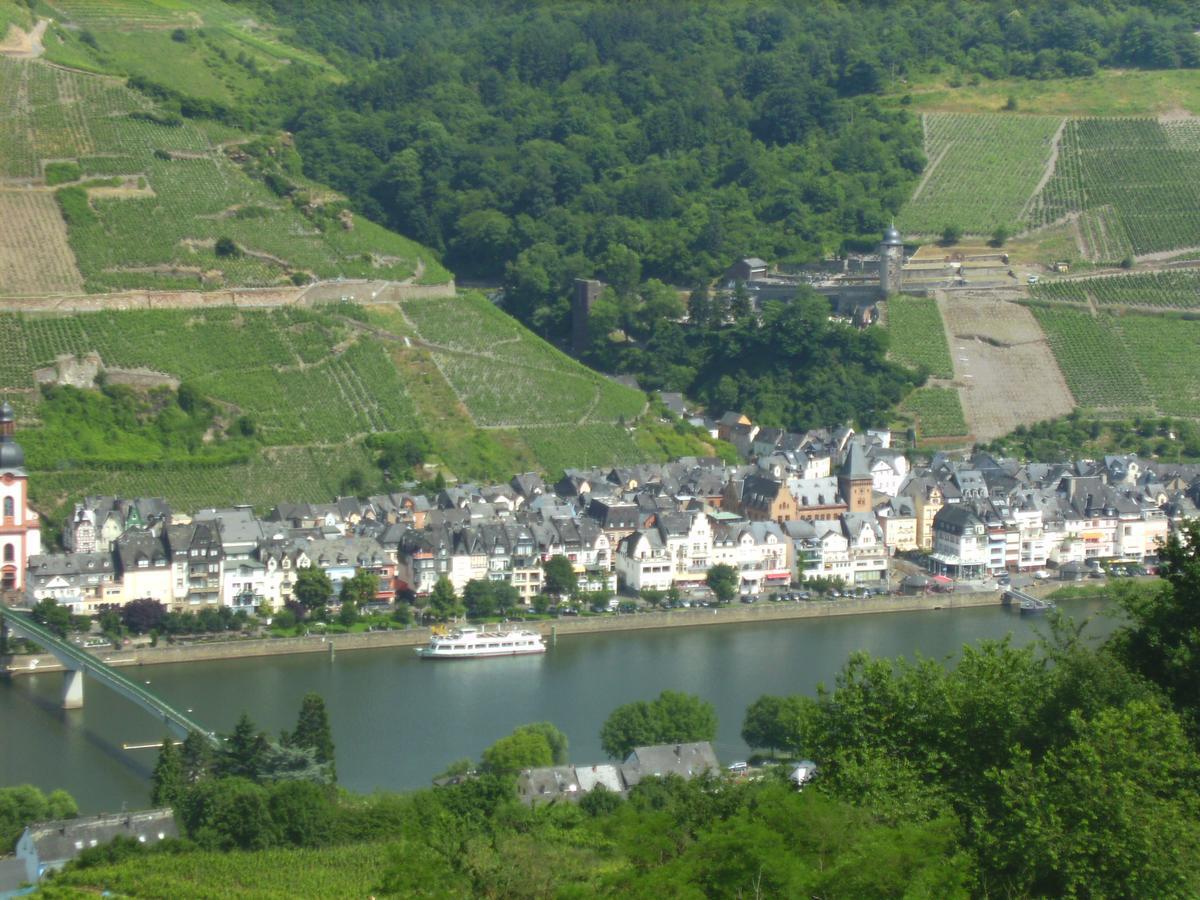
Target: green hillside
{"type": "Point", "coordinates": [280, 404]}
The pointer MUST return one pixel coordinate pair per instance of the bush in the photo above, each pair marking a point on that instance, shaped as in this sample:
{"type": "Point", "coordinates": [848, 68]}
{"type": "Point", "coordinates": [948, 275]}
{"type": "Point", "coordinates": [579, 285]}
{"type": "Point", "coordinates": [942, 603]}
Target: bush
{"type": "Point", "coordinates": [62, 172]}
{"type": "Point", "coordinates": [951, 234]}
{"type": "Point", "coordinates": [227, 247]}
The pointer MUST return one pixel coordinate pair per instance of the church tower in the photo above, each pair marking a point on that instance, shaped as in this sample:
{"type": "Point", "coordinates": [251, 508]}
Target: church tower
{"type": "Point", "coordinates": [20, 531]}
{"type": "Point", "coordinates": [854, 480]}
{"type": "Point", "coordinates": [891, 262]}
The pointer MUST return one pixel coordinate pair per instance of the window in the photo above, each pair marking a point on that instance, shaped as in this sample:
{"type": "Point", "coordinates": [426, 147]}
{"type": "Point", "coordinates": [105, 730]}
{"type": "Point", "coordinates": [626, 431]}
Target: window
{"type": "Point", "coordinates": [10, 553]}
{"type": "Point", "coordinates": [9, 506]}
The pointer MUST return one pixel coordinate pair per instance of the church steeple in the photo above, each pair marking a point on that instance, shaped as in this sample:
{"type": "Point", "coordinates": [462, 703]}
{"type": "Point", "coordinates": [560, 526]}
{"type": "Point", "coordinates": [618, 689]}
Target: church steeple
{"type": "Point", "coordinates": [12, 457]}
{"type": "Point", "coordinates": [855, 483]}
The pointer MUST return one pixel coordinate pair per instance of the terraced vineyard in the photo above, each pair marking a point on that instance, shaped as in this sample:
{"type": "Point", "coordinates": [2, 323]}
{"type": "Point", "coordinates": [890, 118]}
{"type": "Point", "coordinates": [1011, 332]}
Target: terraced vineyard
{"type": "Point", "coordinates": [509, 378]}
{"type": "Point", "coordinates": [916, 335]}
{"type": "Point", "coordinates": [1134, 182]}
{"type": "Point", "coordinates": [1172, 289]}
{"type": "Point", "coordinates": [168, 193]}
{"type": "Point", "coordinates": [315, 382]}
{"type": "Point", "coordinates": [982, 171]}
{"type": "Point", "coordinates": [936, 412]}
{"type": "Point", "coordinates": [1100, 369]}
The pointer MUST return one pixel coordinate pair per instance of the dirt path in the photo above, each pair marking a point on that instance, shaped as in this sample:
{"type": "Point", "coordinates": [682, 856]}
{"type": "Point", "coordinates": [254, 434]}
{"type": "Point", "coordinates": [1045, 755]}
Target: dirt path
{"type": "Point", "coordinates": [1048, 171]}
{"type": "Point", "coordinates": [933, 164]}
{"type": "Point", "coordinates": [18, 44]}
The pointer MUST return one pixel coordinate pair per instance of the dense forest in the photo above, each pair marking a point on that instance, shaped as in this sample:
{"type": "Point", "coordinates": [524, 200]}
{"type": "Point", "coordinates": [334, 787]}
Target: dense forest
{"type": "Point", "coordinates": [1056, 770]}
{"type": "Point", "coordinates": [651, 145]}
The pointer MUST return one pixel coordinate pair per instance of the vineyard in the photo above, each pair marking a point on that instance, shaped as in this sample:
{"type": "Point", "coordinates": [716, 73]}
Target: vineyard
{"type": "Point", "coordinates": [506, 376]}
{"type": "Point", "coordinates": [315, 382]}
{"type": "Point", "coordinates": [916, 336]}
{"type": "Point", "coordinates": [1171, 289]}
{"type": "Point", "coordinates": [935, 412]}
{"type": "Point", "coordinates": [1101, 371]}
{"type": "Point", "coordinates": [982, 171]}
{"type": "Point", "coordinates": [175, 194]}
{"type": "Point", "coordinates": [350, 870]}
{"type": "Point", "coordinates": [1135, 182]}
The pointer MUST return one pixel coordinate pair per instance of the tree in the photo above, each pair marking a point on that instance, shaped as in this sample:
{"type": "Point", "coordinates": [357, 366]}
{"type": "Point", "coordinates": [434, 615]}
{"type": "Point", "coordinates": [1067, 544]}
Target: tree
{"type": "Point", "coordinates": [361, 588]}
{"type": "Point", "coordinates": [999, 236]}
{"type": "Point", "coordinates": [1162, 640]}
{"type": "Point", "coordinates": [56, 618]}
{"type": "Point", "coordinates": [167, 781]}
{"type": "Point", "coordinates": [951, 234]}
{"type": "Point", "coordinates": [313, 731]}
{"type": "Point", "coordinates": [348, 614]}
{"type": "Point", "coordinates": [243, 752]}
{"type": "Point", "coordinates": [227, 247]}
{"type": "Point", "coordinates": [671, 718]}
{"type": "Point", "coordinates": [443, 601]}
{"type": "Point", "coordinates": [560, 580]}
{"type": "Point", "coordinates": [228, 814]}
{"type": "Point", "coordinates": [143, 615]}
{"type": "Point", "coordinates": [775, 723]}
{"type": "Point", "coordinates": [479, 597]}
{"type": "Point", "coordinates": [301, 813]}
{"type": "Point", "coordinates": [196, 757]}
{"type": "Point", "coordinates": [528, 747]}
{"type": "Point", "coordinates": [23, 804]}
{"type": "Point", "coordinates": [313, 589]}
{"type": "Point", "coordinates": [724, 580]}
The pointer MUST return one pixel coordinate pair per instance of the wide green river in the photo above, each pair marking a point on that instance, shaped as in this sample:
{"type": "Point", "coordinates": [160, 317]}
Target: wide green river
{"type": "Point", "coordinates": [397, 720]}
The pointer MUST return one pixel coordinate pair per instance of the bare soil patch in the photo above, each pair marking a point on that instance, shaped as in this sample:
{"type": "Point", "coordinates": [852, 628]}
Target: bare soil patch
{"type": "Point", "coordinates": [1005, 372]}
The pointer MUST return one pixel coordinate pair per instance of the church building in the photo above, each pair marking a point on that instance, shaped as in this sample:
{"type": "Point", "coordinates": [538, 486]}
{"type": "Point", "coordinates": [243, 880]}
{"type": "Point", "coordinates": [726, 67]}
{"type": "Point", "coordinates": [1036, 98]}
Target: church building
{"type": "Point", "coordinates": [20, 532]}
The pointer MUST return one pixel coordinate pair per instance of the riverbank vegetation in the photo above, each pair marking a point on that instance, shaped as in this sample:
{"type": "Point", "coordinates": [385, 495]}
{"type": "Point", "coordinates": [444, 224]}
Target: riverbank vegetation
{"type": "Point", "coordinates": [1056, 770]}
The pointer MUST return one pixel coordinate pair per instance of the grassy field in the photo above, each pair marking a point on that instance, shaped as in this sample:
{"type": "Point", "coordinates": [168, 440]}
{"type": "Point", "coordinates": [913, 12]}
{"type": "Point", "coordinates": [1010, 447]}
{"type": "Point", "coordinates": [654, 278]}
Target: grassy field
{"type": "Point", "coordinates": [935, 412]}
{"type": "Point", "coordinates": [1110, 92]}
{"type": "Point", "coordinates": [982, 171]}
{"type": "Point", "coordinates": [916, 335]}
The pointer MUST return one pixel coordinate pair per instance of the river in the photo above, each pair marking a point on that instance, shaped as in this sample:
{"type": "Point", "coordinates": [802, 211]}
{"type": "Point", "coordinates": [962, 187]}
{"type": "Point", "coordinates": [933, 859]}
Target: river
{"type": "Point", "coordinates": [397, 721]}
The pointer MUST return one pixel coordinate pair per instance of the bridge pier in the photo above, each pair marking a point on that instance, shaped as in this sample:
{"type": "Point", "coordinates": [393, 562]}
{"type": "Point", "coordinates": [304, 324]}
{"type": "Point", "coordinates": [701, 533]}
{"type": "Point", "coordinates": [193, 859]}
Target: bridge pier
{"type": "Point", "coordinates": [72, 689]}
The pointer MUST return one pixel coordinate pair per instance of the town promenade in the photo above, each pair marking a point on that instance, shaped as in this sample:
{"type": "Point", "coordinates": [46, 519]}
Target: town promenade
{"type": "Point", "coordinates": [738, 613]}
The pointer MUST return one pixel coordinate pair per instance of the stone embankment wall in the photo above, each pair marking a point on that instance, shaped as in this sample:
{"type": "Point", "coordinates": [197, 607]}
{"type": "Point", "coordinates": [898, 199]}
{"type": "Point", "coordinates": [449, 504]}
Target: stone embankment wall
{"type": "Point", "coordinates": [763, 611]}
{"type": "Point", "coordinates": [360, 291]}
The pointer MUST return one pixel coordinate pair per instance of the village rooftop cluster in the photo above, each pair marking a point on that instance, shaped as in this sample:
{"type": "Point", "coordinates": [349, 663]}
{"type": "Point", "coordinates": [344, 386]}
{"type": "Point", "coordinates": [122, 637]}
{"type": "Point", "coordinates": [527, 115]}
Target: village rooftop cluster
{"type": "Point", "coordinates": [827, 504]}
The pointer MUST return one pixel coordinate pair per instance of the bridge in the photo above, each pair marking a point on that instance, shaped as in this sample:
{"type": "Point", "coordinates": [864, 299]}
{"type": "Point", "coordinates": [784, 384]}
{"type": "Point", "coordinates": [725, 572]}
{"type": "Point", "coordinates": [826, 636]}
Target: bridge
{"type": "Point", "coordinates": [76, 662]}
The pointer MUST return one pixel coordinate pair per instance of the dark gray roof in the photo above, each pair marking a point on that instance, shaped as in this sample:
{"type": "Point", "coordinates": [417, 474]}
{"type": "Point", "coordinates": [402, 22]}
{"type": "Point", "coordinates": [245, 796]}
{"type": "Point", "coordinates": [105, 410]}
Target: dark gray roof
{"type": "Point", "coordinates": [65, 839]}
{"type": "Point", "coordinates": [12, 457]}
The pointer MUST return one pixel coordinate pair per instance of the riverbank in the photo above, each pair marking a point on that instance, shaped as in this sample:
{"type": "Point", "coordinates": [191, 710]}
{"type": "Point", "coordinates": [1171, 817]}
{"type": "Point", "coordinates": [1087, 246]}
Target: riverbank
{"type": "Point", "coordinates": [763, 611]}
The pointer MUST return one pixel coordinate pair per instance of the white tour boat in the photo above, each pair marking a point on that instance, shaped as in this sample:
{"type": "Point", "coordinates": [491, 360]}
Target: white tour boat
{"type": "Point", "coordinates": [469, 642]}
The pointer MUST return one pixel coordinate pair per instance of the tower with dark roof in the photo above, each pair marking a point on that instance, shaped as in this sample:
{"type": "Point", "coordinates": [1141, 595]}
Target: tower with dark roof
{"type": "Point", "coordinates": [854, 480]}
{"type": "Point", "coordinates": [20, 530]}
{"type": "Point", "coordinates": [891, 262]}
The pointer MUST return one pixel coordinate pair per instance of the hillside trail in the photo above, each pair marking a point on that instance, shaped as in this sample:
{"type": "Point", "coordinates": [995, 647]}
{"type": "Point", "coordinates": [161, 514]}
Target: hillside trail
{"type": "Point", "coordinates": [18, 44]}
{"type": "Point", "coordinates": [1048, 171]}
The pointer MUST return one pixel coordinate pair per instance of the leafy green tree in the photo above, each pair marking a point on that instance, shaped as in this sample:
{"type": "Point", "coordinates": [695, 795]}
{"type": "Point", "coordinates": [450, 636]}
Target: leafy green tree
{"type": "Point", "coordinates": [723, 580]}
{"type": "Point", "coordinates": [1162, 640]}
{"type": "Point", "coordinates": [312, 590]}
{"type": "Point", "coordinates": [56, 618]}
{"type": "Point", "coordinates": [775, 723]}
{"type": "Point", "coordinates": [143, 615]}
{"type": "Point", "coordinates": [951, 234]}
{"type": "Point", "coordinates": [167, 780]}
{"type": "Point", "coordinates": [228, 813]}
{"type": "Point", "coordinates": [443, 601]}
{"type": "Point", "coordinates": [361, 588]}
{"type": "Point", "coordinates": [301, 813]}
{"type": "Point", "coordinates": [528, 747]}
{"type": "Point", "coordinates": [560, 578]}
{"type": "Point", "coordinates": [507, 597]}
{"type": "Point", "coordinates": [313, 731]}
{"type": "Point", "coordinates": [479, 597]}
{"type": "Point", "coordinates": [671, 718]}
{"type": "Point", "coordinates": [23, 804]}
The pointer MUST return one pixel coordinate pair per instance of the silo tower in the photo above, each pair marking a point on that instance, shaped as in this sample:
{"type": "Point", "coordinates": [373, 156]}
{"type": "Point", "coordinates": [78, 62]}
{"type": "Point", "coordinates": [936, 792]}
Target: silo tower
{"type": "Point", "coordinates": [891, 262]}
